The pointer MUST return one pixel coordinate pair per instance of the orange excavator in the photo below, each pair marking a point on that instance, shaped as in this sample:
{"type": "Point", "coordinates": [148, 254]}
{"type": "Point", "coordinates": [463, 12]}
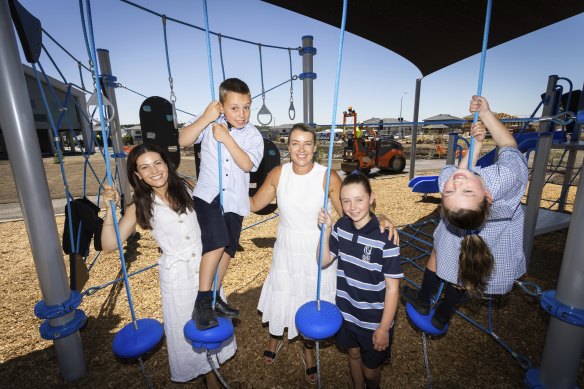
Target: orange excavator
{"type": "Point", "coordinates": [365, 149]}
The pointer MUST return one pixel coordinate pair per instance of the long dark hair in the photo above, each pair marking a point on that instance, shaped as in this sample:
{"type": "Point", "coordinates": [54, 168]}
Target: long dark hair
{"type": "Point", "coordinates": [475, 261]}
{"type": "Point", "coordinates": [178, 192]}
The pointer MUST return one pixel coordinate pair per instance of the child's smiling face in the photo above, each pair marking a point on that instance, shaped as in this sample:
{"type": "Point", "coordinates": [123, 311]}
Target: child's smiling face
{"type": "Point", "coordinates": [356, 203]}
{"type": "Point", "coordinates": [237, 108]}
{"type": "Point", "coordinates": [464, 190]}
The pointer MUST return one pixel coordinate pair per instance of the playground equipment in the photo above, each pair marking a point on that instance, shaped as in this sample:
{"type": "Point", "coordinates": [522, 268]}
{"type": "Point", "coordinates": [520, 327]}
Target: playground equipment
{"type": "Point", "coordinates": [366, 150]}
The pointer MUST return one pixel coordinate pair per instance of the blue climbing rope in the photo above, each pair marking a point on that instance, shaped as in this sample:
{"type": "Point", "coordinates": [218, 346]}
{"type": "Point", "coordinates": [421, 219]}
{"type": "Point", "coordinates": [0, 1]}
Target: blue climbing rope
{"type": "Point", "coordinates": [93, 54]}
{"type": "Point", "coordinates": [481, 75]}
{"type": "Point", "coordinates": [219, 165]}
{"type": "Point", "coordinates": [331, 141]}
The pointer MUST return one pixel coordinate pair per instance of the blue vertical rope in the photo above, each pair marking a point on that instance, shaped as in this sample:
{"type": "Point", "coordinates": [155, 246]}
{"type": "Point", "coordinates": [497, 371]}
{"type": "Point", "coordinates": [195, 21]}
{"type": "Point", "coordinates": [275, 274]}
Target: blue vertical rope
{"type": "Point", "coordinates": [93, 53]}
{"type": "Point", "coordinates": [481, 75]}
{"type": "Point", "coordinates": [212, 87]}
{"type": "Point", "coordinates": [331, 142]}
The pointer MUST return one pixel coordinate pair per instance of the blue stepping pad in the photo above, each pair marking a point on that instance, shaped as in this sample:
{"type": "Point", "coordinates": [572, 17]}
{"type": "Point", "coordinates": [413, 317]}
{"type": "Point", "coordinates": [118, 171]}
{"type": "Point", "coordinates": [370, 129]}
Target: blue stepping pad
{"type": "Point", "coordinates": [132, 342]}
{"type": "Point", "coordinates": [211, 338]}
{"type": "Point", "coordinates": [317, 324]}
{"type": "Point", "coordinates": [424, 322]}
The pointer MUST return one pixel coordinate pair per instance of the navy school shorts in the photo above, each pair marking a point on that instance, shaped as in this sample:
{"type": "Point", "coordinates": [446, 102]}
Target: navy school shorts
{"type": "Point", "coordinates": [217, 229]}
{"type": "Point", "coordinates": [348, 337]}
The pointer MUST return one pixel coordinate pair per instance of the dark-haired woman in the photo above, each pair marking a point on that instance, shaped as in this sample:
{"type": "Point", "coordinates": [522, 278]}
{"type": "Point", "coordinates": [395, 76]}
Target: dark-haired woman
{"type": "Point", "coordinates": [162, 203]}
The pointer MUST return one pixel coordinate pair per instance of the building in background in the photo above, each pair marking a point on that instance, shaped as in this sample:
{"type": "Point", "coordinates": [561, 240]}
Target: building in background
{"type": "Point", "coordinates": [72, 127]}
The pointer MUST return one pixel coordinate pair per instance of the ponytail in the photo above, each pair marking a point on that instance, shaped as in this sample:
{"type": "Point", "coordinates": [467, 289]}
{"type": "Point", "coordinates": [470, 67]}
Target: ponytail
{"type": "Point", "coordinates": [475, 264]}
{"type": "Point", "coordinates": [475, 261]}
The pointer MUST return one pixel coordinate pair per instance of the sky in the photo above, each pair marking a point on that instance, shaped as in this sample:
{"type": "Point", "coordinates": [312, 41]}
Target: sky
{"type": "Point", "coordinates": [374, 81]}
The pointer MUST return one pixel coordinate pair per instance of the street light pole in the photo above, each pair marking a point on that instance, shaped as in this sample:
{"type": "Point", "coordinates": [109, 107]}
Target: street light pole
{"type": "Point", "coordinates": [401, 119]}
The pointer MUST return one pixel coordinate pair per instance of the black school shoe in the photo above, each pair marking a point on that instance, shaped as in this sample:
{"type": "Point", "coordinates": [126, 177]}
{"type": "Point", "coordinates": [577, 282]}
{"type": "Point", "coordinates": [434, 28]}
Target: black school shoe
{"type": "Point", "coordinates": [224, 310]}
{"type": "Point", "coordinates": [409, 295]}
{"type": "Point", "coordinates": [438, 320]}
{"type": "Point", "coordinates": [203, 314]}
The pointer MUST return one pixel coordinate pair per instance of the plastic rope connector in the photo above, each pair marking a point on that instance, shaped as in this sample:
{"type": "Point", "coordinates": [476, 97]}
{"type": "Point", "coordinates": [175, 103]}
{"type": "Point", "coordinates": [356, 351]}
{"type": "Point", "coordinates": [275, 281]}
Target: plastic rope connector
{"type": "Point", "coordinates": [43, 311]}
{"type": "Point", "coordinates": [561, 311]}
{"type": "Point", "coordinates": [49, 332]}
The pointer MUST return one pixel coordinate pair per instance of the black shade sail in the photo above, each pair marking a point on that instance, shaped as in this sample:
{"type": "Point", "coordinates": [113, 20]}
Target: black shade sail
{"type": "Point", "coordinates": [433, 34]}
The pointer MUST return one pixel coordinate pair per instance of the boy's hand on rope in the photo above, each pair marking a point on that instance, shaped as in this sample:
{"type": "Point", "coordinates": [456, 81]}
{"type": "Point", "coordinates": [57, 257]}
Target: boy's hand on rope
{"type": "Point", "coordinates": [213, 111]}
{"type": "Point", "coordinates": [220, 133]}
{"type": "Point", "coordinates": [109, 193]}
{"type": "Point", "coordinates": [479, 131]}
{"type": "Point", "coordinates": [325, 217]}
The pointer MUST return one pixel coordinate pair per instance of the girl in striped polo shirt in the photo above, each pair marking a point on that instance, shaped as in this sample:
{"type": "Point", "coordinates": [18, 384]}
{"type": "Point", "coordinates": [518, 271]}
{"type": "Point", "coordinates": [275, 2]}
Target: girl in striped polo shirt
{"type": "Point", "coordinates": [368, 276]}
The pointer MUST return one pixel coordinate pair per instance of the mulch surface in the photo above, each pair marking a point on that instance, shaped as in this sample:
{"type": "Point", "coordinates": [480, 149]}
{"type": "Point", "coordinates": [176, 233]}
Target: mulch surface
{"type": "Point", "coordinates": [465, 357]}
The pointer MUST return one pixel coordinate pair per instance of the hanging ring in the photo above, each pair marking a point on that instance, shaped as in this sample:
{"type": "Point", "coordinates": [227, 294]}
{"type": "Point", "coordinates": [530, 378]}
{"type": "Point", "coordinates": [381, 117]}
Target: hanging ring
{"type": "Point", "coordinates": [264, 111]}
{"type": "Point", "coordinates": [92, 101]}
{"type": "Point", "coordinates": [291, 110]}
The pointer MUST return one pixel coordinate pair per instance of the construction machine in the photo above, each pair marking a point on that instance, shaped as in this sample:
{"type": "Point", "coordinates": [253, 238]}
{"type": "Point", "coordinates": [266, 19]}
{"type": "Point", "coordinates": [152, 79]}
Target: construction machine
{"type": "Point", "coordinates": [366, 149]}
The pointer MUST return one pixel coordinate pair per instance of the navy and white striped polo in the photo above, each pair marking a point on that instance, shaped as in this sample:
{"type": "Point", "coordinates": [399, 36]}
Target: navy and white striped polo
{"type": "Point", "coordinates": [365, 259]}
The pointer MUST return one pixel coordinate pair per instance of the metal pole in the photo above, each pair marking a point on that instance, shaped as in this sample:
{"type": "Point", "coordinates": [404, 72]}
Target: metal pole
{"type": "Point", "coordinates": [450, 154]}
{"type": "Point", "coordinates": [542, 154]}
{"type": "Point", "coordinates": [24, 152]}
{"type": "Point", "coordinates": [307, 76]}
{"type": "Point", "coordinates": [105, 68]}
{"type": "Point", "coordinates": [564, 344]}
{"type": "Point", "coordinates": [574, 140]}
{"type": "Point", "coordinates": [541, 158]}
{"type": "Point", "coordinates": [415, 129]}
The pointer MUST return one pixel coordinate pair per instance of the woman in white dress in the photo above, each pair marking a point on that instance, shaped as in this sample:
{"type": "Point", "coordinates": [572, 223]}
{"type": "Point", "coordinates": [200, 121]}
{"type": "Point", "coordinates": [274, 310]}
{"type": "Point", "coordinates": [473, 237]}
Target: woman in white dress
{"type": "Point", "coordinates": [292, 280]}
{"type": "Point", "coordinates": [162, 203]}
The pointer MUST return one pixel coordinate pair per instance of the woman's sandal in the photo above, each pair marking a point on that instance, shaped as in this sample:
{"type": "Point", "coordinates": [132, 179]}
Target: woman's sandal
{"type": "Point", "coordinates": [273, 354]}
{"type": "Point", "coordinates": [309, 371]}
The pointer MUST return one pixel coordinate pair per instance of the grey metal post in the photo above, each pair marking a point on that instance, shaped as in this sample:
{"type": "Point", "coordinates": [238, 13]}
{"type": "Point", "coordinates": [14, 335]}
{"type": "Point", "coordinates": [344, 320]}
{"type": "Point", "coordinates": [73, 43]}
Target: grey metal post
{"type": "Point", "coordinates": [451, 155]}
{"type": "Point", "coordinates": [105, 69]}
{"type": "Point", "coordinates": [564, 344]}
{"type": "Point", "coordinates": [574, 140]}
{"type": "Point", "coordinates": [307, 76]}
{"type": "Point", "coordinates": [541, 159]}
{"type": "Point", "coordinates": [570, 163]}
{"type": "Point", "coordinates": [415, 129]}
{"type": "Point", "coordinates": [542, 154]}
{"type": "Point", "coordinates": [30, 179]}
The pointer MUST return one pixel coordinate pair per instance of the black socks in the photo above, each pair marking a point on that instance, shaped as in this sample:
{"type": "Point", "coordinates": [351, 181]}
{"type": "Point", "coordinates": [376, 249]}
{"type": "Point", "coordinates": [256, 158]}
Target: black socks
{"type": "Point", "coordinates": [430, 284]}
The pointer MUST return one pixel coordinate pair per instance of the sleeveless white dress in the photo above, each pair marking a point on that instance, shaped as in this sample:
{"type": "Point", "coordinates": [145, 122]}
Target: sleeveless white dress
{"type": "Point", "coordinates": [179, 238]}
{"type": "Point", "coordinates": [292, 279]}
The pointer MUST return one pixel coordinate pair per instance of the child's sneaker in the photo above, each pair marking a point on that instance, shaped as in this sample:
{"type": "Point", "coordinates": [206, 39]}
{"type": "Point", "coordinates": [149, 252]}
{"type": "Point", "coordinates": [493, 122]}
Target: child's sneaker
{"type": "Point", "coordinates": [409, 295]}
{"type": "Point", "coordinates": [203, 314]}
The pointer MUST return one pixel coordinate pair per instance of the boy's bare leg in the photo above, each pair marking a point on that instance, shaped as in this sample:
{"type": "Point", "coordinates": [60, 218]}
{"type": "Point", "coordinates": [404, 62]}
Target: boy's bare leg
{"type": "Point", "coordinates": [208, 267]}
{"type": "Point", "coordinates": [221, 307]}
{"type": "Point", "coordinates": [355, 367]}
{"type": "Point", "coordinates": [223, 266]}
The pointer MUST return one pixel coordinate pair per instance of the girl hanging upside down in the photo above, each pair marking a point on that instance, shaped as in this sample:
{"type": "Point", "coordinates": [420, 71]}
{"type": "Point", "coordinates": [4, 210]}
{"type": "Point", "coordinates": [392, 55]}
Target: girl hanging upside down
{"type": "Point", "coordinates": [478, 244]}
